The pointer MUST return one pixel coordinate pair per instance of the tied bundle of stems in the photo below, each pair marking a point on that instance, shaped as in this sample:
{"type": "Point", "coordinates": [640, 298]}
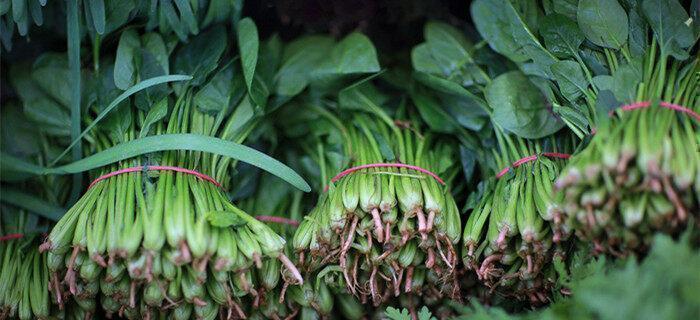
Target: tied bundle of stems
{"type": "Point", "coordinates": [174, 246]}
{"type": "Point", "coordinates": [384, 231]}
{"type": "Point", "coordinates": [511, 235]}
{"type": "Point", "coordinates": [24, 275]}
{"type": "Point", "coordinates": [623, 76]}
{"type": "Point", "coordinates": [640, 172]}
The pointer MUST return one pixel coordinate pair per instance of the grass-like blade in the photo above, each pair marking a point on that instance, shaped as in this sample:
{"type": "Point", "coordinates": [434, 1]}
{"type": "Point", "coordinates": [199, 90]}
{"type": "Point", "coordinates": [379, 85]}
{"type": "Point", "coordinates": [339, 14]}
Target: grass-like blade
{"type": "Point", "coordinates": [185, 141]}
{"type": "Point", "coordinates": [32, 203]}
{"type": "Point", "coordinates": [126, 94]}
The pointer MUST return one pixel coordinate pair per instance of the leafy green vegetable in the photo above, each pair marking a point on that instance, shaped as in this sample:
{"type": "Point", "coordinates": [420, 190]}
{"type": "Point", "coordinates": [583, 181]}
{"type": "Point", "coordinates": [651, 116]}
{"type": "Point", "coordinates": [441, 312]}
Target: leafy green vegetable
{"type": "Point", "coordinates": [520, 107]}
{"type": "Point", "coordinates": [604, 22]}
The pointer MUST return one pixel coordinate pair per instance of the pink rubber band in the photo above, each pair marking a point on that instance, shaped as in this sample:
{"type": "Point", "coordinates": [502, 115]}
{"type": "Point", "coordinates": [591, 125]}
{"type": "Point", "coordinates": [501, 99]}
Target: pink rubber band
{"type": "Point", "coordinates": [158, 168]}
{"type": "Point", "coordinates": [11, 236]}
{"type": "Point", "coordinates": [663, 104]}
{"type": "Point", "coordinates": [275, 219]}
{"type": "Point", "coordinates": [533, 157]}
{"type": "Point", "coordinates": [384, 165]}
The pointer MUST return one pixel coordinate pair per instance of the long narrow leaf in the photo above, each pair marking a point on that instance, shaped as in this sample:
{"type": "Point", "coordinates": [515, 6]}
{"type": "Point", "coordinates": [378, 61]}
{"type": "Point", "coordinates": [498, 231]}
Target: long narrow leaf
{"type": "Point", "coordinates": [129, 92]}
{"type": "Point", "coordinates": [32, 203]}
{"type": "Point", "coordinates": [191, 142]}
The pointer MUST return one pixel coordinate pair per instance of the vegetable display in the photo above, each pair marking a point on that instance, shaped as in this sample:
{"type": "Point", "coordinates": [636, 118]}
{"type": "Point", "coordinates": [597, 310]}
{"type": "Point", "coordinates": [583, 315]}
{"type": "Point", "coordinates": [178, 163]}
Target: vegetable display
{"type": "Point", "coordinates": [213, 159]}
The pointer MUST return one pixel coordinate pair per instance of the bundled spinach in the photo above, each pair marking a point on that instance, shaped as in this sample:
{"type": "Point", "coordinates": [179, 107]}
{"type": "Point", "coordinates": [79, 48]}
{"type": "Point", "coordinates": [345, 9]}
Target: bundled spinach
{"type": "Point", "coordinates": [510, 237]}
{"type": "Point", "coordinates": [148, 242]}
{"type": "Point", "coordinates": [24, 275]}
{"type": "Point", "coordinates": [601, 63]}
{"type": "Point", "coordinates": [383, 231]}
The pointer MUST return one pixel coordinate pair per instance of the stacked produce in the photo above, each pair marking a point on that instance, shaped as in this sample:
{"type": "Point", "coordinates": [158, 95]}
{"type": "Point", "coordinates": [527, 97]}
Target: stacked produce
{"type": "Point", "coordinates": [157, 234]}
{"type": "Point", "coordinates": [510, 239]}
{"type": "Point", "coordinates": [492, 163]}
{"type": "Point", "coordinates": [389, 224]}
{"type": "Point", "coordinates": [601, 63]}
{"type": "Point", "coordinates": [510, 235]}
{"type": "Point", "coordinates": [24, 276]}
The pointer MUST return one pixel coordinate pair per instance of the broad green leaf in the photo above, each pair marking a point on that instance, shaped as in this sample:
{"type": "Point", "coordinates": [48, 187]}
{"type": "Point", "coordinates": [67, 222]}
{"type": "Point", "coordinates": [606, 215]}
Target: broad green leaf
{"type": "Point", "coordinates": [423, 61]}
{"type": "Point", "coordinates": [37, 15]}
{"type": "Point", "coordinates": [201, 55]}
{"type": "Point", "coordinates": [299, 59]}
{"type": "Point", "coordinates": [190, 142]}
{"type": "Point", "coordinates": [126, 94]}
{"type": "Point", "coordinates": [446, 86]}
{"type": "Point", "coordinates": [97, 11]}
{"type": "Point", "coordinates": [217, 11]}
{"type": "Point", "coordinates": [154, 44]}
{"type": "Point", "coordinates": [570, 78]}
{"type": "Point", "coordinates": [215, 95]}
{"type": "Point", "coordinates": [561, 35]}
{"type": "Point", "coordinates": [248, 44]}
{"type": "Point", "coordinates": [672, 26]}
{"type": "Point", "coordinates": [448, 46]}
{"type": "Point", "coordinates": [520, 107]}
{"type": "Point", "coordinates": [18, 135]}
{"type": "Point", "coordinates": [433, 114]}
{"type": "Point", "coordinates": [503, 27]}
{"type": "Point", "coordinates": [187, 16]}
{"type": "Point", "coordinates": [565, 7]}
{"type": "Point", "coordinates": [638, 35]}
{"type": "Point", "coordinates": [467, 112]}
{"type": "Point", "coordinates": [624, 83]}
{"type": "Point", "coordinates": [604, 22]}
{"type": "Point", "coordinates": [117, 14]}
{"type": "Point", "coordinates": [157, 113]}
{"type": "Point", "coordinates": [354, 54]}
{"type": "Point", "coordinates": [125, 64]}
{"type": "Point", "coordinates": [50, 72]}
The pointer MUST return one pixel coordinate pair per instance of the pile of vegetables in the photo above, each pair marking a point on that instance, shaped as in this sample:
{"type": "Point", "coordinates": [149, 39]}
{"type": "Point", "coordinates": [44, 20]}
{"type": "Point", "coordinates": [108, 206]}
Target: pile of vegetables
{"type": "Point", "coordinates": [622, 77]}
{"type": "Point", "coordinates": [518, 155]}
{"type": "Point", "coordinates": [391, 230]}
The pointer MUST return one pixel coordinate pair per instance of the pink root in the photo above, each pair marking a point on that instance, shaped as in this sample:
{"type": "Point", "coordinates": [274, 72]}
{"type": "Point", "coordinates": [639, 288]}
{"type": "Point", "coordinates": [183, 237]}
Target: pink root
{"type": "Point", "coordinates": [488, 262]}
{"type": "Point", "coordinates": [46, 246]}
{"type": "Point", "coordinates": [99, 260]}
{"type": "Point", "coordinates": [501, 241]}
{"type": "Point", "coordinates": [132, 295]}
{"type": "Point", "coordinates": [431, 258]}
{"type": "Point", "coordinates": [351, 235]}
{"type": "Point", "coordinates": [291, 268]}
{"type": "Point", "coordinates": [198, 302]}
{"type": "Point", "coordinates": [409, 280]}
{"type": "Point", "coordinates": [185, 255]}
{"type": "Point", "coordinates": [387, 232]}
{"type": "Point", "coordinates": [257, 260]}
{"type": "Point", "coordinates": [378, 227]}
{"type": "Point", "coordinates": [421, 224]}
{"type": "Point", "coordinates": [431, 221]}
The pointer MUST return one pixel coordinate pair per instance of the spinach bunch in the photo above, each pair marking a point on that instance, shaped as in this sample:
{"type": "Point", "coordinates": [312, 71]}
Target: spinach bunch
{"type": "Point", "coordinates": [363, 238]}
{"type": "Point", "coordinates": [637, 174]}
{"type": "Point", "coordinates": [511, 235]}
{"type": "Point", "coordinates": [149, 243]}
